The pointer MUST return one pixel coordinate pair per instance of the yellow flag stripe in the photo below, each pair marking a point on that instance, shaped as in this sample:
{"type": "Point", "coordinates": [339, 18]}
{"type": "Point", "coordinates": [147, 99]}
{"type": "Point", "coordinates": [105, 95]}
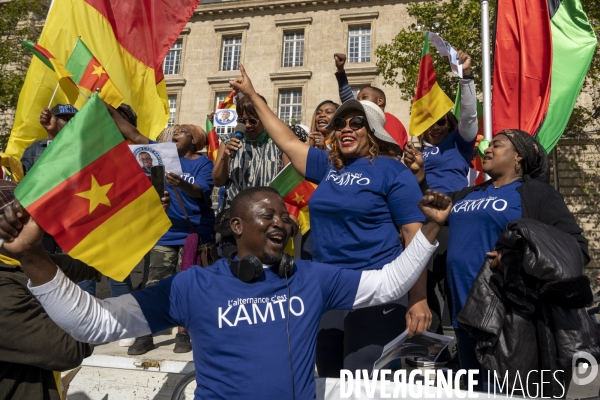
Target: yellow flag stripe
{"type": "Point", "coordinates": [69, 19]}
{"type": "Point", "coordinates": [428, 110]}
{"type": "Point", "coordinates": [116, 246]}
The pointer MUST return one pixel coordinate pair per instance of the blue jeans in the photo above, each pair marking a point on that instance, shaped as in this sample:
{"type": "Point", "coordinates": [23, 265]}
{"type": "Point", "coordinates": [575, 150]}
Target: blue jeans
{"type": "Point", "coordinates": [116, 288]}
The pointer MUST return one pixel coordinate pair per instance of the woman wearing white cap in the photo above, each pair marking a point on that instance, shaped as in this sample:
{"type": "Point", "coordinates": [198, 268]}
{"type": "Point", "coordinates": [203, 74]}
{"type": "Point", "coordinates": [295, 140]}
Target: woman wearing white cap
{"type": "Point", "coordinates": [365, 197]}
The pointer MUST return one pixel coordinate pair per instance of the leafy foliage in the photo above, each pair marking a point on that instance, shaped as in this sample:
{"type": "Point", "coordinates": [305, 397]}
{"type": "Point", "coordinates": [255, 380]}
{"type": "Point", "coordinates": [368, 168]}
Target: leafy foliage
{"type": "Point", "coordinates": [19, 19]}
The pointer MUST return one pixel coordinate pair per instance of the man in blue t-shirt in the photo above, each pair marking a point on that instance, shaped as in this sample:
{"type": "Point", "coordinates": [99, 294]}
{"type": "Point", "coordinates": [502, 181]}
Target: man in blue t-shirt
{"type": "Point", "coordinates": [253, 338]}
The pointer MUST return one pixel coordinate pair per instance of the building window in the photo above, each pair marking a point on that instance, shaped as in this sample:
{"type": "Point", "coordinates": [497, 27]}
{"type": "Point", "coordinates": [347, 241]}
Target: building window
{"type": "Point", "coordinates": [232, 48]}
{"type": "Point", "coordinates": [290, 106]}
{"type": "Point", "coordinates": [172, 61]}
{"type": "Point", "coordinates": [293, 49]}
{"type": "Point", "coordinates": [172, 109]}
{"type": "Point", "coordinates": [222, 130]}
{"type": "Point", "coordinates": [359, 44]}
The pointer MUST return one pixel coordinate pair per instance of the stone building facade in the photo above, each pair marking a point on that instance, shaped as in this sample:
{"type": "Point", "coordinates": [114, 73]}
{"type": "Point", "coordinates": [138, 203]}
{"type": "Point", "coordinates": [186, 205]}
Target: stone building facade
{"type": "Point", "coordinates": [287, 48]}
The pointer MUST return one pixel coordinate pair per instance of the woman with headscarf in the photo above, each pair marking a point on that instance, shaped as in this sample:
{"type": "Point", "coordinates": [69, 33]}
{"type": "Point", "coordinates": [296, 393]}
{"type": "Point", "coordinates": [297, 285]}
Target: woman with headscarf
{"type": "Point", "coordinates": [518, 167]}
{"type": "Point", "coordinates": [365, 197]}
{"type": "Point", "coordinates": [191, 207]}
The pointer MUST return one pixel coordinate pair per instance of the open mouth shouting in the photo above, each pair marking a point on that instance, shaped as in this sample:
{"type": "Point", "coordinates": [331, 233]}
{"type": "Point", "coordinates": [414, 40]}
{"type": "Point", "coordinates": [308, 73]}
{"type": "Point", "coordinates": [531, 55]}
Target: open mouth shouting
{"type": "Point", "coordinates": [277, 238]}
{"type": "Point", "coordinates": [347, 140]}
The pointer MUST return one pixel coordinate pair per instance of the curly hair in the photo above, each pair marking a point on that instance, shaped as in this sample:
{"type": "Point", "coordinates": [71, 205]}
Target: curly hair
{"type": "Point", "coordinates": [377, 147]}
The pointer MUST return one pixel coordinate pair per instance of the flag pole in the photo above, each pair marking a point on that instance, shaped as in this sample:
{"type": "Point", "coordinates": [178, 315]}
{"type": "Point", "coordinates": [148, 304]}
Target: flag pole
{"type": "Point", "coordinates": [53, 94]}
{"type": "Point", "coordinates": [487, 79]}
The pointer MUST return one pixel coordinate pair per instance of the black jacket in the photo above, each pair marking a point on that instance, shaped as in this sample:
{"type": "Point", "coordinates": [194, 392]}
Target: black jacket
{"type": "Point", "coordinates": [530, 317]}
{"type": "Point", "coordinates": [31, 344]}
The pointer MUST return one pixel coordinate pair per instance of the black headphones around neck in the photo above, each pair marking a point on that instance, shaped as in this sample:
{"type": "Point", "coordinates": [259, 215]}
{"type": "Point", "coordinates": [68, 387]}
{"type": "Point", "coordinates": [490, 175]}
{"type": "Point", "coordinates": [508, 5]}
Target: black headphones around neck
{"type": "Point", "coordinates": [250, 268]}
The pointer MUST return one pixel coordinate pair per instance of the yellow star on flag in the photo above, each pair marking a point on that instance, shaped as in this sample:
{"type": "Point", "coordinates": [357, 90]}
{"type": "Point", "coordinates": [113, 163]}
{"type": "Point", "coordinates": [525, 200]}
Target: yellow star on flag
{"type": "Point", "coordinates": [98, 70]}
{"type": "Point", "coordinates": [96, 195]}
{"type": "Point", "coordinates": [299, 199]}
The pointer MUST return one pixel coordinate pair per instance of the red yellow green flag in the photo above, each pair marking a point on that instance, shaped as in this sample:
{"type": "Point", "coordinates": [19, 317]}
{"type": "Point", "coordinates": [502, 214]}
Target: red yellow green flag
{"type": "Point", "coordinates": [67, 84]}
{"type": "Point", "coordinates": [88, 191]}
{"type": "Point", "coordinates": [430, 102]}
{"type": "Point", "coordinates": [296, 192]}
{"type": "Point", "coordinates": [212, 137]}
{"type": "Point", "coordinates": [89, 74]}
{"type": "Point", "coordinates": [129, 38]}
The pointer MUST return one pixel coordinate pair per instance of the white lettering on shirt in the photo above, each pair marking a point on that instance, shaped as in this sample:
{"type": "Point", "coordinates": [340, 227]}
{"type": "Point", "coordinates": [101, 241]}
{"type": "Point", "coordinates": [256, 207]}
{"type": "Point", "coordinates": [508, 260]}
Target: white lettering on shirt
{"type": "Point", "coordinates": [188, 178]}
{"type": "Point", "coordinates": [347, 178]}
{"type": "Point", "coordinates": [477, 204]}
{"type": "Point", "coordinates": [262, 310]}
{"type": "Point", "coordinates": [432, 152]}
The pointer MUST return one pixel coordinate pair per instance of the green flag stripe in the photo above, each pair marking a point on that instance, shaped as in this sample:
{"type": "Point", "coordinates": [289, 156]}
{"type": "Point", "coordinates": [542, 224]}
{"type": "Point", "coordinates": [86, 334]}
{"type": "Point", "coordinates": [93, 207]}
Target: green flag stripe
{"type": "Point", "coordinates": [87, 136]}
{"type": "Point", "coordinates": [573, 45]}
{"type": "Point", "coordinates": [425, 45]}
{"type": "Point", "coordinates": [209, 125]}
{"type": "Point", "coordinates": [30, 46]}
{"type": "Point", "coordinates": [79, 60]}
{"type": "Point", "coordinates": [286, 180]}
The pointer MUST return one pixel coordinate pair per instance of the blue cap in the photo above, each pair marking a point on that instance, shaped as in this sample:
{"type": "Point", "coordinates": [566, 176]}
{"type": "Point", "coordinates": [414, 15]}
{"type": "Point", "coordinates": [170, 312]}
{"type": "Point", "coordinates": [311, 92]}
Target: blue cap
{"type": "Point", "coordinates": [63, 109]}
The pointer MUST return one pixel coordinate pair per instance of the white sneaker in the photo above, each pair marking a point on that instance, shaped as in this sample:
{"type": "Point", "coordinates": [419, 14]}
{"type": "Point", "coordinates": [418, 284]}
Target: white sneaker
{"type": "Point", "coordinates": [126, 342]}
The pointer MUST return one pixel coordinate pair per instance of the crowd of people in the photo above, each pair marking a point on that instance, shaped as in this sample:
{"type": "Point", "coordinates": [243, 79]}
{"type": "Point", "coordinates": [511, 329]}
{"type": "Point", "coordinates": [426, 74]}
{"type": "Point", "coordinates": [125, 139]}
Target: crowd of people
{"type": "Point", "coordinates": [257, 320]}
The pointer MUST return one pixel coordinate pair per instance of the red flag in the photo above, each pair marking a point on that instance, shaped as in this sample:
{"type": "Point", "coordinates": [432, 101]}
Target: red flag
{"type": "Point", "coordinates": [522, 65]}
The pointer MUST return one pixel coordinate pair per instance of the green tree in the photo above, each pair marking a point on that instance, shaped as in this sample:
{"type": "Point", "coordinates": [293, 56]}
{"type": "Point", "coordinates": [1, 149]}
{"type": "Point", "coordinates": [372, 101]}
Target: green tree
{"type": "Point", "coordinates": [456, 21]}
{"type": "Point", "coordinates": [19, 19]}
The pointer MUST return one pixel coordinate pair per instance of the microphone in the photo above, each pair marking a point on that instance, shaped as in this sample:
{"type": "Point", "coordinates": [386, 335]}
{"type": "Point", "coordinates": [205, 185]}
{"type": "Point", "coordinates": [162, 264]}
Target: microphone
{"type": "Point", "coordinates": [240, 130]}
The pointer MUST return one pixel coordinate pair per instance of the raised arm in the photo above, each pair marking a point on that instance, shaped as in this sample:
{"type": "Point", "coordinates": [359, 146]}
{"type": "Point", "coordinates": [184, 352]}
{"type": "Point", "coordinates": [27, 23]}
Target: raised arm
{"type": "Point", "coordinates": [467, 125]}
{"type": "Point", "coordinates": [82, 316]}
{"type": "Point", "coordinates": [128, 131]}
{"type": "Point", "coordinates": [279, 132]}
{"type": "Point", "coordinates": [342, 80]}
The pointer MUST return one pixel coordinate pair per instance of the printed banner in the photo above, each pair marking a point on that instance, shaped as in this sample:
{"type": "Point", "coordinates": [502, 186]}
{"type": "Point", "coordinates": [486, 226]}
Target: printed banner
{"type": "Point", "coordinates": [148, 155]}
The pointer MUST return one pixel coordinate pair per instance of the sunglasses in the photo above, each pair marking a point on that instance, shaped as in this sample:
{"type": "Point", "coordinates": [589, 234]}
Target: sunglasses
{"type": "Point", "coordinates": [65, 118]}
{"type": "Point", "coordinates": [355, 123]}
{"type": "Point", "coordinates": [251, 121]}
{"type": "Point", "coordinates": [442, 121]}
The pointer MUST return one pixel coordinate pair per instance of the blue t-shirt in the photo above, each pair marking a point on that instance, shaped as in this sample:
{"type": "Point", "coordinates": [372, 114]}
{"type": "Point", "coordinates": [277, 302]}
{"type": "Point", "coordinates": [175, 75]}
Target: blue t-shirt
{"type": "Point", "coordinates": [238, 330]}
{"type": "Point", "coordinates": [447, 165]}
{"type": "Point", "coordinates": [355, 212]}
{"type": "Point", "coordinates": [476, 223]}
{"type": "Point", "coordinates": [200, 212]}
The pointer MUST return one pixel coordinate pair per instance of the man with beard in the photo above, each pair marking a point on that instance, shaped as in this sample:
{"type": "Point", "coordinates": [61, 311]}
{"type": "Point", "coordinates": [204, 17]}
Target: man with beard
{"type": "Point", "coordinates": [251, 317]}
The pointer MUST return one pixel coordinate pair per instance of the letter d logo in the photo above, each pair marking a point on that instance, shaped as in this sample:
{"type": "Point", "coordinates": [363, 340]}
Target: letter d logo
{"type": "Point", "coordinates": [581, 369]}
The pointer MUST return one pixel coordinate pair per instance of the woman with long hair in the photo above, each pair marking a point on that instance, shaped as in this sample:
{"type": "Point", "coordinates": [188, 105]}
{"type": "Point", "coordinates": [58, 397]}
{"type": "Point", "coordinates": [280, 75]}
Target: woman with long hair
{"type": "Point", "coordinates": [319, 135]}
{"type": "Point", "coordinates": [365, 197]}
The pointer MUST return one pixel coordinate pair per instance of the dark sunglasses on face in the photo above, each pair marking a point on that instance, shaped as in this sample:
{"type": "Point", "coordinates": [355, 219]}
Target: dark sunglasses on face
{"type": "Point", "coordinates": [251, 121]}
{"type": "Point", "coordinates": [442, 121]}
{"type": "Point", "coordinates": [355, 123]}
{"type": "Point", "coordinates": [65, 118]}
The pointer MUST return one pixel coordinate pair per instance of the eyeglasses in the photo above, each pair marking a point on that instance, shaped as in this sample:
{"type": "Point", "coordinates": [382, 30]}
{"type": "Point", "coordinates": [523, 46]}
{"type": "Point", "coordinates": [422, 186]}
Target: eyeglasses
{"type": "Point", "coordinates": [355, 123]}
{"type": "Point", "coordinates": [251, 121]}
{"type": "Point", "coordinates": [442, 121]}
{"type": "Point", "coordinates": [65, 118]}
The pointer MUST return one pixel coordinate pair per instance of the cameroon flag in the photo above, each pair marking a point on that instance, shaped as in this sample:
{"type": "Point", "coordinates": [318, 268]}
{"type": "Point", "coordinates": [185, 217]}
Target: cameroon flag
{"type": "Point", "coordinates": [90, 75]}
{"type": "Point", "coordinates": [296, 192]}
{"type": "Point", "coordinates": [64, 76]}
{"type": "Point", "coordinates": [130, 39]}
{"type": "Point", "coordinates": [89, 192]}
{"type": "Point", "coordinates": [430, 102]}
